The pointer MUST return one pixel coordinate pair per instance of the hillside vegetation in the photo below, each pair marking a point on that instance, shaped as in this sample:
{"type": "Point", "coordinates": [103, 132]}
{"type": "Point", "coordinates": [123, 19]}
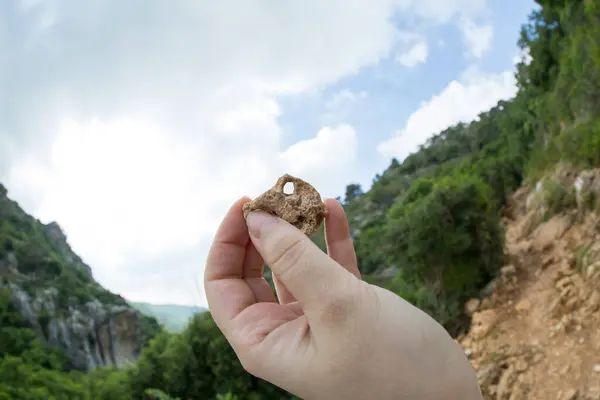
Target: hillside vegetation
{"type": "Point", "coordinates": [430, 228]}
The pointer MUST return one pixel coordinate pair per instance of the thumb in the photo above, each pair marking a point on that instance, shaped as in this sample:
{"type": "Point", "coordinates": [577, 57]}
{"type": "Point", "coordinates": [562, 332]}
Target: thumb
{"type": "Point", "coordinates": [310, 275]}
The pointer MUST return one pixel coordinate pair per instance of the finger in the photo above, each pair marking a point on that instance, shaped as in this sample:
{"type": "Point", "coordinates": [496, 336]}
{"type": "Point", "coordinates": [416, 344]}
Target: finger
{"type": "Point", "coordinates": [312, 277]}
{"type": "Point", "coordinates": [253, 263]}
{"type": "Point", "coordinates": [338, 239]}
{"type": "Point", "coordinates": [284, 295]}
{"type": "Point", "coordinates": [226, 292]}
{"type": "Point", "coordinates": [252, 273]}
{"type": "Point", "coordinates": [261, 289]}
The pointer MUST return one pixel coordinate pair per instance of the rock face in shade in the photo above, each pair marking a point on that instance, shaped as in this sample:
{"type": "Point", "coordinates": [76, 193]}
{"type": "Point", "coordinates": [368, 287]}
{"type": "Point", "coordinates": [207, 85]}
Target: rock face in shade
{"type": "Point", "coordinates": [93, 336]}
{"type": "Point", "coordinates": [302, 208]}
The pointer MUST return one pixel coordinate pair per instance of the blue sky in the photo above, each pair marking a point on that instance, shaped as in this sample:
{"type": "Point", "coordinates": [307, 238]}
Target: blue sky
{"type": "Point", "coordinates": [136, 124]}
{"type": "Point", "coordinates": [395, 92]}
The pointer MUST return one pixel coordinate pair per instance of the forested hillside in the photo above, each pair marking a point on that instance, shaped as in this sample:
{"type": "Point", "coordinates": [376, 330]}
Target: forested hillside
{"type": "Point", "coordinates": [429, 228]}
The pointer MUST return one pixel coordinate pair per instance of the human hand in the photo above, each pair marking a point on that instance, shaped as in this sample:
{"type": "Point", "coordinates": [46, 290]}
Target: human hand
{"type": "Point", "coordinates": [328, 334]}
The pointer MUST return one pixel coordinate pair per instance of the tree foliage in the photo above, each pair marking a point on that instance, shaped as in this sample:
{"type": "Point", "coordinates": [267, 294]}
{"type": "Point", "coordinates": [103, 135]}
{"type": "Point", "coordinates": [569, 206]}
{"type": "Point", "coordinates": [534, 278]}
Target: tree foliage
{"type": "Point", "coordinates": [433, 218]}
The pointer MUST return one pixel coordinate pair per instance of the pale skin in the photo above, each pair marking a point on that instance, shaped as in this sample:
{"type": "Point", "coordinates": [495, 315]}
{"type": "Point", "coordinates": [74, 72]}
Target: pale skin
{"type": "Point", "coordinates": [325, 333]}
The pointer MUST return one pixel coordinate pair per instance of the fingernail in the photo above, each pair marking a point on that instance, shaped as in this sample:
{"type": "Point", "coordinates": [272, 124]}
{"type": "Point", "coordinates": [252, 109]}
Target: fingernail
{"type": "Point", "coordinates": [259, 221]}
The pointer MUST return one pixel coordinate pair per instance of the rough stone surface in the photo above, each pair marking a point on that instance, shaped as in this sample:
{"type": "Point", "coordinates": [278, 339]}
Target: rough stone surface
{"type": "Point", "coordinates": [60, 239]}
{"type": "Point", "coordinates": [302, 208]}
{"type": "Point", "coordinates": [96, 336]}
{"type": "Point", "coordinates": [472, 306]}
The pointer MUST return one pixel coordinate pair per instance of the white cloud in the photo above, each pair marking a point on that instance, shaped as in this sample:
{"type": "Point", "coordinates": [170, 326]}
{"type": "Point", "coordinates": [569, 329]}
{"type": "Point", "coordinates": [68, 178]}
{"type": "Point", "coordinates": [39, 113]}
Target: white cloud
{"type": "Point", "coordinates": [323, 158]}
{"type": "Point", "coordinates": [124, 190]}
{"type": "Point", "coordinates": [445, 11]}
{"type": "Point", "coordinates": [339, 107]}
{"type": "Point", "coordinates": [478, 37]}
{"type": "Point", "coordinates": [417, 54]}
{"type": "Point", "coordinates": [344, 97]}
{"type": "Point", "coordinates": [462, 100]}
{"type": "Point", "coordinates": [138, 138]}
{"type": "Point", "coordinates": [523, 56]}
{"type": "Point", "coordinates": [136, 130]}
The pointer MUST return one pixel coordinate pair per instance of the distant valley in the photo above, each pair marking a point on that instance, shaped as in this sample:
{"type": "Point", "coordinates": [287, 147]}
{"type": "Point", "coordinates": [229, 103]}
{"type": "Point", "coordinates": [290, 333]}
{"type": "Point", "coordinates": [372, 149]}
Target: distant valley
{"type": "Point", "coordinates": [172, 316]}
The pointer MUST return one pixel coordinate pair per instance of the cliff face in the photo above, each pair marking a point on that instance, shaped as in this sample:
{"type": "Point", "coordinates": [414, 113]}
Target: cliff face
{"type": "Point", "coordinates": [63, 247]}
{"type": "Point", "coordinates": [55, 292]}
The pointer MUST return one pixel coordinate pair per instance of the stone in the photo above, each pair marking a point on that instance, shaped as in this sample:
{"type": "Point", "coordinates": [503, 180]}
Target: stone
{"type": "Point", "coordinates": [508, 270]}
{"type": "Point", "coordinates": [489, 288]}
{"type": "Point", "coordinates": [587, 190]}
{"type": "Point", "coordinates": [505, 383]}
{"type": "Point", "coordinates": [485, 304]}
{"type": "Point", "coordinates": [564, 370]}
{"type": "Point", "coordinates": [488, 374]}
{"type": "Point", "coordinates": [471, 306]}
{"type": "Point", "coordinates": [594, 301]}
{"type": "Point", "coordinates": [570, 394]}
{"type": "Point", "coordinates": [593, 393]}
{"type": "Point", "coordinates": [482, 323]}
{"type": "Point", "coordinates": [548, 261]}
{"type": "Point", "coordinates": [563, 283]}
{"type": "Point", "coordinates": [521, 365]}
{"type": "Point", "coordinates": [523, 305]}
{"type": "Point", "coordinates": [303, 208]}
{"type": "Point", "coordinates": [548, 232]}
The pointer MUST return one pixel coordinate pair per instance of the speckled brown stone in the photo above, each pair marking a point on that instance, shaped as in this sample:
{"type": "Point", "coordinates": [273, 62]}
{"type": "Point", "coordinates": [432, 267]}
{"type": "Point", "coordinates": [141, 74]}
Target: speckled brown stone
{"type": "Point", "coordinates": [303, 208]}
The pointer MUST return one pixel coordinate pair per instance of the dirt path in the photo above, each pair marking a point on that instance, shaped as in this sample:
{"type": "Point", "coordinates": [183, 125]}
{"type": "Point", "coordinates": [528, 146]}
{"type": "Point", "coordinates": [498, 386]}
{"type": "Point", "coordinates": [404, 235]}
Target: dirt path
{"type": "Point", "coordinates": [537, 336]}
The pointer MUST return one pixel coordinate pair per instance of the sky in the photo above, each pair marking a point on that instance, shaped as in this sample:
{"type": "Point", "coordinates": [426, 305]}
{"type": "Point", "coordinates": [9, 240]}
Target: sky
{"type": "Point", "coordinates": [135, 125]}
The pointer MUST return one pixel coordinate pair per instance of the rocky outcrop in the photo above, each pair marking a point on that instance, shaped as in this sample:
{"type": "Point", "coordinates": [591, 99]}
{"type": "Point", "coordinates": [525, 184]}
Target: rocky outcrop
{"type": "Point", "coordinates": [62, 246]}
{"type": "Point", "coordinates": [587, 191]}
{"type": "Point", "coordinates": [92, 336]}
{"type": "Point", "coordinates": [564, 188]}
{"type": "Point", "coordinates": [54, 291]}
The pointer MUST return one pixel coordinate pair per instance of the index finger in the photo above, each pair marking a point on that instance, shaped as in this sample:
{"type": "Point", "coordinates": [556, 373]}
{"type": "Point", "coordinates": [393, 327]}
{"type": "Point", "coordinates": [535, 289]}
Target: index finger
{"type": "Point", "coordinates": [338, 239]}
{"type": "Point", "coordinates": [226, 292]}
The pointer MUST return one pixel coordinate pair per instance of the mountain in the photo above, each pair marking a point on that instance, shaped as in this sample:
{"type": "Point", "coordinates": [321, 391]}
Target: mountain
{"type": "Point", "coordinates": [56, 297]}
{"type": "Point", "coordinates": [172, 316]}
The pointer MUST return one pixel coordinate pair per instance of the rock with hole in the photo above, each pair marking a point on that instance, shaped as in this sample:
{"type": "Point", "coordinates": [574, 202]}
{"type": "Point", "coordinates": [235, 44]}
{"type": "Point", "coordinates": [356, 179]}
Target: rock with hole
{"type": "Point", "coordinates": [303, 207]}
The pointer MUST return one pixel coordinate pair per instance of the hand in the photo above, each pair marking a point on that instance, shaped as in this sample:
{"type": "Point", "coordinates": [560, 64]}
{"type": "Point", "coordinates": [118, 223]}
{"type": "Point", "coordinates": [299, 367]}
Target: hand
{"type": "Point", "coordinates": [328, 334]}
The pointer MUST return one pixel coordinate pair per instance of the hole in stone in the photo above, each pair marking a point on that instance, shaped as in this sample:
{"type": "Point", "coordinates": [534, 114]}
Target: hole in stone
{"type": "Point", "coordinates": [288, 188]}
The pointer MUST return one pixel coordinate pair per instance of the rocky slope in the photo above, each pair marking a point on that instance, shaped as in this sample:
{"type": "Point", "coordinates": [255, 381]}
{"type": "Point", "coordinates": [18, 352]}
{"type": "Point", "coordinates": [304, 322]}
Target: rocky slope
{"type": "Point", "coordinates": [54, 290]}
{"type": "Point", "coordinates": [534, 332]}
